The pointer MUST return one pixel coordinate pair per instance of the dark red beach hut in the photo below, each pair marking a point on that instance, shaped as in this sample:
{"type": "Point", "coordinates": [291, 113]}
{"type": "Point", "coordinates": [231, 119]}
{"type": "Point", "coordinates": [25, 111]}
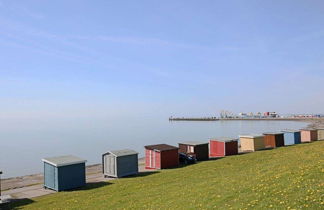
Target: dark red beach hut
{"type": "Point", "coordinates": [199, 149]}
{"type": "Point", "coordinates": [161, 156]}
{"type": "Point", "coordinates": [220, 147]}
{"type": "Point", "coordinates": [273, 140]}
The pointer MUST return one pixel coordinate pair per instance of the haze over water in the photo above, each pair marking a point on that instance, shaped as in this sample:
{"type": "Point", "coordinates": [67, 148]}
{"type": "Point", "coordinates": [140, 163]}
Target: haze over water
{"type": "Point", "coordinates": [25, 144]}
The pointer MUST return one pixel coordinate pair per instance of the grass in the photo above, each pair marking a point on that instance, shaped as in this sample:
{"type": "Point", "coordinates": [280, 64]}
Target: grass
{"type": "Point", "coordinates": [284, 178]}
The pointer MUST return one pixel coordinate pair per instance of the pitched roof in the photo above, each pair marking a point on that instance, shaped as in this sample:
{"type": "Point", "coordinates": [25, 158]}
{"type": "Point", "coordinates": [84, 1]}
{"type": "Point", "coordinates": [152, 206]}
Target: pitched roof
{"type": "Point", "coordinates": [308, 129]}
{"type": "Point", "coordinates": [160, 147]}
{"type": "Point", "coordinates": [63, 160]}
{"type": "Point", "coordinates": [290, 131]}
{"type": "Point", "coordinates": [224, 139]}
{"type": "Point", "coordinates": [193, 143]}
{"type": "Point", "coordinates": [123, 152]}
{"type": "Point", "coordinates": [272, 133]}
{"type": "Point", "coordinates": [251, 136]}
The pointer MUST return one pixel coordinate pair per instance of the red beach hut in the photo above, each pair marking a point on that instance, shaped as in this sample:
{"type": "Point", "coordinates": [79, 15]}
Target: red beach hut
{"type": "Point", "coordinates": [161, 156]}
{"type": "Point", "coordinates": [220, 147]}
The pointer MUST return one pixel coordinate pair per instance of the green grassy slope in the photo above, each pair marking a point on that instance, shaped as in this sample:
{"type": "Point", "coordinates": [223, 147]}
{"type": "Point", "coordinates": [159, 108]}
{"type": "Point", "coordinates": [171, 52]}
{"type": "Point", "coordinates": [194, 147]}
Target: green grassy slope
{"type": "Point", "coordinates": [288, 177]}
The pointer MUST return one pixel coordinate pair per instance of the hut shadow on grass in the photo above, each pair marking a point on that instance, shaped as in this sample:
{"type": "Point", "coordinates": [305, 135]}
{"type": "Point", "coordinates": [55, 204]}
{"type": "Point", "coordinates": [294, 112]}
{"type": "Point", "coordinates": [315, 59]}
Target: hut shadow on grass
{"type": "Point", "coordinates": [141, 174]}
{"type": "Point", "coordinates": [93, 185]}
{"type": "Point", "coordinates": [215, 158]}
{"type": "Point", "coordinates": [16, 203]}
{"type": "Point", "coordinates": [267, 148]}
{"type": "Point", "coordinates": [252, 151]}
{"type": "Point", "coordinates": [184, 165]}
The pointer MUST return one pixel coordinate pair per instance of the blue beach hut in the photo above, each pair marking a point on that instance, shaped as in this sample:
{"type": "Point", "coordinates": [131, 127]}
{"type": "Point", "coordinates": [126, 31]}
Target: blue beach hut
{"type": "Point", "coordinates": [291, 137]}
{"type": "Point", "coordinates": [64, 172]}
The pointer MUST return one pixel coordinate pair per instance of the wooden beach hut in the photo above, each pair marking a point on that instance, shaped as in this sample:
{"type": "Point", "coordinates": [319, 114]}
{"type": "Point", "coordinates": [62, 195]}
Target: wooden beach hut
{"type": "Point", "coordinates": [308, 135]}
{"type": "Point", "coordinates": [320, 134]}
{"type": "Point", "coordinates": [120, 163]}
{"type": "Point", "coordinates": [273, 139]}
{"type": "Point", "coordinates": [161, 156]}
{"type": "Point", "coordinates": [64, 172]}
{"type": "Point", "coordinates": [251, 143]}
{"type": "Point", "coordinates": [220, 147]}
{"type": "Point", "coordinates": [291, 137]}
{"type": "Point", "coordinates": [197, 148]}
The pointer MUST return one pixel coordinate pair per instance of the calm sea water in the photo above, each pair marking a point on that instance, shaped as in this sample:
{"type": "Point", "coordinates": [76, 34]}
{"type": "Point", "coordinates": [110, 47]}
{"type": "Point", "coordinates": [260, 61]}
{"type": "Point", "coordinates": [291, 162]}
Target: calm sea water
{"type": "Point", "coordinates": [24, 144]}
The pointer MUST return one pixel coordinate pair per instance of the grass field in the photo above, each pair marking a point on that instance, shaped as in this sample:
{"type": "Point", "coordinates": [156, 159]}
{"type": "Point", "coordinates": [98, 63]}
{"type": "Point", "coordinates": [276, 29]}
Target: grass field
{"type": "Point", "coordinates": [284, 178]}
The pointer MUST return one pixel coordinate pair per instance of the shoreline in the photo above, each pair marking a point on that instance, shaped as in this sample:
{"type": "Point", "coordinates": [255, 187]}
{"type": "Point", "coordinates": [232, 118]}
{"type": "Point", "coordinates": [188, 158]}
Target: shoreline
{"type": "Point", "coordinates": [16, 185]}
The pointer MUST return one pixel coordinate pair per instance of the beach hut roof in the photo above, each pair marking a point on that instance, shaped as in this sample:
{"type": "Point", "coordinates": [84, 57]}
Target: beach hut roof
{"type": "Point", "coordinates": [193, 143]}
{"type": "Point", "coordinates": [160, 147]}
{"type": "Point", "coordinates": [273, 133]}
{"type": "Point", "coordinates": [63, 160]}
{"type": "Point", "coordinates": [290, 131]}
{"type": "Point", "coordinates": [251, 136]}
{"type": "Point", "coordinates": [308, 129]}
{"type": "Point", "coordinates": [123, 152]}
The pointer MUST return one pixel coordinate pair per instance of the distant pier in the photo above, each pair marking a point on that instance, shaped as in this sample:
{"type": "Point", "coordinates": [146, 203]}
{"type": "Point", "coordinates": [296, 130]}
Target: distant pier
{"type": "Point", "coordinates": [238, 118]}
{"type": "Point", "coordinates": [193, 119]}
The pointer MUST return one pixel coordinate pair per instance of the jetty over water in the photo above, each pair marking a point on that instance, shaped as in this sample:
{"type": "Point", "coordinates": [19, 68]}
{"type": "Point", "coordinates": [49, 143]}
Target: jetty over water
{"type": "Point", "coordinates": [242, 118]}
{"type": "Point", "coordinates": [193, 119]}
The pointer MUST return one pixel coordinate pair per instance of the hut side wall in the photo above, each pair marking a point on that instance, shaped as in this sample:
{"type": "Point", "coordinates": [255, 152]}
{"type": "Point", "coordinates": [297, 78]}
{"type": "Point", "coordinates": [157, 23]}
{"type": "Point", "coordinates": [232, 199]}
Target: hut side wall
{"type": "Point", "coordinates": [247, 144]}
{"type": "Point", "coordinates": [314, 135]}
{"type": "Point", "coordinates": [127, 165]}
{"type": "Point", "coordinates": [269, 141]}
{"type": "Point", "coordinates": [289, 138]}
{"type": "Point", "coordinates": [71, 176]}
{"type": "Point", "coordinates": [169, 159]}
{"type": "Point", "coordinates": [216, 149]}
{"type": "Point", "coordinates": [297, 138]}
{"type": "Point", "coordinates": [320, 134]}
{"type": "Point", "coordinates": [305, 136]}
{"type": "Point", "coordinates": [259, 143]}
{"type": "Point", "coordinates": [279, 140]}
{"type": "Point", "coordinates": [231, 148]}
{"type": "Point", "coordinates": [201, 152]}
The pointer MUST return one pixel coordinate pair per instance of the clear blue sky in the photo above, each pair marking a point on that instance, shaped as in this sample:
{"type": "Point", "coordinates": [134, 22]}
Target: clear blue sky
{"type": "Point", "coordinates": [143, 58]}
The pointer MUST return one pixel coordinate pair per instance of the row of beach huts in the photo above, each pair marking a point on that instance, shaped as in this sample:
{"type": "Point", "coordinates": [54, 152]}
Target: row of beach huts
{"type": "Point", "coordinates": [68, 172]}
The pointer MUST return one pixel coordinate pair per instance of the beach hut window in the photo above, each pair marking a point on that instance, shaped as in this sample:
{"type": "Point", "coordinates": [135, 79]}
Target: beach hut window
{"type": "Point", "coordinates": [190, 149]}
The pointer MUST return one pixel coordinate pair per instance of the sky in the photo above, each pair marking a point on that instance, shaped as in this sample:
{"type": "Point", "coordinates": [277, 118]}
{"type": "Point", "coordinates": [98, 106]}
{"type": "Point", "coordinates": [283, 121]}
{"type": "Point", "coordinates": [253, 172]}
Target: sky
{"type": "Point", "coordinates": [80, 59]}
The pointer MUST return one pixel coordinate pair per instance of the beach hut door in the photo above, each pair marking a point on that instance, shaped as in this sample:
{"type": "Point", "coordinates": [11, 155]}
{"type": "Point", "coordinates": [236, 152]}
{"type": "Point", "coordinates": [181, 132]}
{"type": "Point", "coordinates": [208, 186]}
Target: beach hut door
{"type": "Point", "coordinates": [110, 164]}
{"type": "Point", "coordinates": [152, 159]}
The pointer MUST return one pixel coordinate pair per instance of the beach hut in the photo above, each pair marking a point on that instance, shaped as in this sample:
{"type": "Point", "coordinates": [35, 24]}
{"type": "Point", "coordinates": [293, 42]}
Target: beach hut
{"type": "Point", "coordinates": [273, 140]}
{"type": "Point", "coordinates": [308, 135]}
{"type": "Point", "coordinates": [251, 143]}
{"type": "Point", "coordinates": [291, 137]}
{"type": "Point", "coordinates": [220, 147]}
{"type": "Point", "coordinates": [119, 163]}
{"type": "Point", "coordinates": [64, 172]}
{"type": "Point", "coordinates": [161, 156]}
{"type": "Point", "coordinates": [320, 134]}
{"type": "Point", "coordinates": [199, 149]}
